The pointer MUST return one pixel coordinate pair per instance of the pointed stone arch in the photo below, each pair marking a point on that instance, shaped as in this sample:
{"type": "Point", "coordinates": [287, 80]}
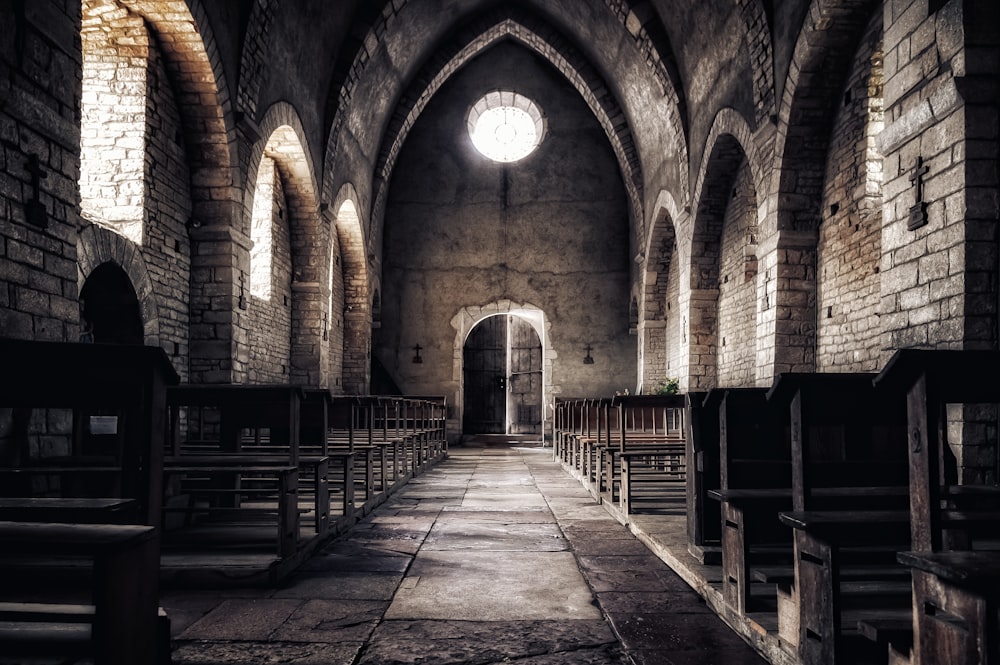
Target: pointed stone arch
{"type": "Point", "coordinates": [354, 295]}
{"type": "Point", "coordinates": [660, 308]}
{"type": "Point", "coordinates": [283, 145]}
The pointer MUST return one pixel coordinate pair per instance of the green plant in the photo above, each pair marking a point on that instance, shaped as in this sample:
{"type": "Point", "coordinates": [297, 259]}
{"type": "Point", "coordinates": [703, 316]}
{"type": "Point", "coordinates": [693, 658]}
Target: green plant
{"type": "Point", "coordinates": [666, 387]}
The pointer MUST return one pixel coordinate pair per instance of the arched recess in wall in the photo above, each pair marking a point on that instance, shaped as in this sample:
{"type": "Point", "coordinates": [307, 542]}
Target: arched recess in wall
{"type": "Point", "coordinates": [288, 274]}
{"type": "Point", "coordinates": [469, 317]}
{"type": "Point", "coordinates": [722, 310]}
{"type": "Point", "coordinates": [135, 178]}
{"type": "Point", "coordinates": [821, 62]}
{"type": "Point", "coordinates": [97, 246]}
{"type": "Point", "coordinates": [353, 295]}
{"type": "Point", "coordinates": [660, 307]}
{"type": "Point", "coordinates": [849, 335]}
{"type": "Point", "coordinates": [351, 298]}
{"type": "Point", "coordinates": [110, 308]}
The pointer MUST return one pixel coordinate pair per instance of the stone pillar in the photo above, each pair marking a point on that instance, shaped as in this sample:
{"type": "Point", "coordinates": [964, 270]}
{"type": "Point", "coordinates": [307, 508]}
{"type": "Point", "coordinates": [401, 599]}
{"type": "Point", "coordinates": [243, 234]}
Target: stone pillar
{"type": "Point", "coordinates": [786, 304]}
{"type": "Point", "coordinates": [220, 292]}
{"type": "Point", "coordinates": [310, 353]}
{"type": "Point", "coordinates": [653, 353]}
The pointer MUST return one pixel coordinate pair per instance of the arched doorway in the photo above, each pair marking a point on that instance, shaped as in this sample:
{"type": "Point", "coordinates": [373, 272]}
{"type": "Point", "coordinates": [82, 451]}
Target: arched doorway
{"type": "Point", "coordinates": [109, 307]}
{"type": "Point", "coordinates": [502, 377]}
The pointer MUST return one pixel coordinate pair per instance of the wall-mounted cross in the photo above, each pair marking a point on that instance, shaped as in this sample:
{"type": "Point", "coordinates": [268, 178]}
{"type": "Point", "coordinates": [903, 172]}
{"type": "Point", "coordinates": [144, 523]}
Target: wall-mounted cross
{"type": "Point", "coordinates": [243, 296]}
{"type": "Point", "coordinates": [34, 209]}
{"type": "Point", "coordinates": [918, 211]}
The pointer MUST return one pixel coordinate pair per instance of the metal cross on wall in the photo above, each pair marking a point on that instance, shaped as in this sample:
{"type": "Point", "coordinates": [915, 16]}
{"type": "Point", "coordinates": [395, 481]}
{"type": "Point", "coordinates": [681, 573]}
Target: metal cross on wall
{"type": "Point", "coordinates": [34, 209]}
{"type": "Point", "coordinates": [918, 211]}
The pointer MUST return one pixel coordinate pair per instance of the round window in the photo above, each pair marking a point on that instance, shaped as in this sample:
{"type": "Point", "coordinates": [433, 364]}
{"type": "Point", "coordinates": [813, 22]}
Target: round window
{"type": "Point", "coordinates": [506, 126]}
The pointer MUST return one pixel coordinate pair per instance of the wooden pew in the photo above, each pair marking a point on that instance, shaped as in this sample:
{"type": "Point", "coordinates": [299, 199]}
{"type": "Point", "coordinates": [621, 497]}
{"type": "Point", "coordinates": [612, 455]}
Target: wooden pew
{"type": "Point", "coordinates": [234, 470]}
{"type": "Point", "coordinates": [754, 482]}
{"type": "Point", "coordinates": [121, 625]}
{"type": "Point", "coordinates": [849, 494]}
{"type": "Point", "coordinates": [952, 400]}
{"type": "Point", "coordinates": [645, 462]}
{"type": "Point", "coordinates": [702, 453]}
{"type": "Point", "coordinates": [113, 445]}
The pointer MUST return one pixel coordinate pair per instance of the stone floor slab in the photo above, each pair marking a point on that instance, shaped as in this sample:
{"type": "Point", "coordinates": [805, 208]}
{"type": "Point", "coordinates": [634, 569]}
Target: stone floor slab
{"type": "Point", "coordinates": [493, 586]}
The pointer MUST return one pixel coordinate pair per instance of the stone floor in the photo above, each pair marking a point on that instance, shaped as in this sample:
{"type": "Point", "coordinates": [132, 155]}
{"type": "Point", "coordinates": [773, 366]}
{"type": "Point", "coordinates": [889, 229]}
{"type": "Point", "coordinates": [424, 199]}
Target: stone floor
{"type": "Point", "coordinates": [494, 556]}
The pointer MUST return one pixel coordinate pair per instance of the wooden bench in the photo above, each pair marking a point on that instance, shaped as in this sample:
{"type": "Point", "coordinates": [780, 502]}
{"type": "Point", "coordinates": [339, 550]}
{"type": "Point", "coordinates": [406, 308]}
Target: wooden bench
{"type": "Point", "coordinates": [952, 400]}
{"type": "Point", "coordinates": [120, 626]}
{"type": "Point", "coordinates": [111, 400]}
{"type": "Point", "coordinates": [235, 468]}
{"type": "Point", "coordinates": [754, 481]}
{"type": "Point", "coordinates": [704, 516]}
{"type": "Point", "coordinates": [847, 443]}
{"type": "Point", "coordinates": [72, 510]}
{"type": "Point", "coordinates": [644, 461]}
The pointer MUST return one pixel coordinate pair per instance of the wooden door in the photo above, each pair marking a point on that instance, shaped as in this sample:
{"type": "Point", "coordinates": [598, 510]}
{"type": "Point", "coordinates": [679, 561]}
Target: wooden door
{"type": "Point", "coordinates": [525, 397]}
{"type": "Point", "coordinates": [503, 378]}
{"type": "Point", "coordinates": [485, 377]}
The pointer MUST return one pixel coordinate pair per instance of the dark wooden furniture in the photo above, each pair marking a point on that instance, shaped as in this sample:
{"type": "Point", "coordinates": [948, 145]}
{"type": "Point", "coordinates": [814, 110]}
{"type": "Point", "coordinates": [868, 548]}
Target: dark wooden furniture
{"type": "Point", "coordinates": [111, 400]}
{"type": "Point", "coordinates": [120, 626]}
{"type": "Point", "coordinates": [952, 401]}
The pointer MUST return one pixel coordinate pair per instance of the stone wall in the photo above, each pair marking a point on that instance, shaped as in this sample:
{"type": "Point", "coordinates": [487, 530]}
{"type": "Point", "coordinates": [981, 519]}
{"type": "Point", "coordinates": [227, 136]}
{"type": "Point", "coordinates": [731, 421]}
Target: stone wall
{"type": "Point", "coordinates": [736, 339]}
{"type": "Point", "coordinates": [167, 246]}
{"type": "Point", "coordinates": [849, 335]}
{"type": "Point", "coordinates": [549, 232]}
{"type": "Point", "coordinates": [40, 90]}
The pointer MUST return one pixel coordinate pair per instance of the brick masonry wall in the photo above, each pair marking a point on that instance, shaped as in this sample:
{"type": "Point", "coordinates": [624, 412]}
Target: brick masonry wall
{"type": "Point", "coordinates": [924, 285]}
{"type": "Point", "coordinates": [736, 336]}
{"type": "Point", "coordinates": [270, 319]}
{"type": "Point", "coordinates": [849, 337]}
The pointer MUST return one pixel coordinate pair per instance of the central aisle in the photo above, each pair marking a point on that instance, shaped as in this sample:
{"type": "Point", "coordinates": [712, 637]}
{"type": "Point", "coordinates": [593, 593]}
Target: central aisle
{"type": "Point", "coordinates": [494, 556]}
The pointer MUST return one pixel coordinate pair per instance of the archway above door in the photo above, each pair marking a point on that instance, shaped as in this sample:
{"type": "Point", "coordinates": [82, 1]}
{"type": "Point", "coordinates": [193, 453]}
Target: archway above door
{"type": "Point", "coordinates": [469, 317]}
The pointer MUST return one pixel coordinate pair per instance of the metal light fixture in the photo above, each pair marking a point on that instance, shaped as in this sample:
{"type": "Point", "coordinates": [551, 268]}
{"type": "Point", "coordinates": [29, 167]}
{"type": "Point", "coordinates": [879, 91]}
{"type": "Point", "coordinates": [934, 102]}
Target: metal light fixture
{"type": "Point", "coordinates": [417, 360]}
{"type": "Point", "coordinates": [588, 359]}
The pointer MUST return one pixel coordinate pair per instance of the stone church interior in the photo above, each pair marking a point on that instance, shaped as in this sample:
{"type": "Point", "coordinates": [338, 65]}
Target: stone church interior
{"type": "Point", "coordinates": [730, 267]}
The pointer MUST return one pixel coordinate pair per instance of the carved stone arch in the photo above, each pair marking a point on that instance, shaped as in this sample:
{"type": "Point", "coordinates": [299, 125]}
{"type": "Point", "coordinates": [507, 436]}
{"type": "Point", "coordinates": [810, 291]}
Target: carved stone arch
{"type": "Point", "coordinates": [96, 245]}
{"type": "Point", "coordinates": [542, 38]}
{"type": "Point", "coordinates": [354, 297]}
{"type": "Point", "coordinates": [283, 141]}
{"type": "Point", "coordinates": [730, 122]}
{"type": "Point", "coordinates": [195, 69]}
{"type": "Point", "coordinates": [468, 317]}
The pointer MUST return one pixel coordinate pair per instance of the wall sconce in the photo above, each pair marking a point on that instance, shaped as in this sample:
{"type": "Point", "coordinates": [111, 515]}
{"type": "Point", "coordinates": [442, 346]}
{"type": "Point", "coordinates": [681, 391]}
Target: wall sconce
{"type": "Point", "coordinates": [588, 359]}
{"type": "Point", "coordinates": [417, 360]}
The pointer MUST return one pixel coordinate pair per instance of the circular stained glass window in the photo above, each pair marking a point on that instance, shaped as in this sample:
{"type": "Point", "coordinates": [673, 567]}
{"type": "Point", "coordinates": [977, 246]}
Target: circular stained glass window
{"type": "Point", "coordinates": [506, 126]}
